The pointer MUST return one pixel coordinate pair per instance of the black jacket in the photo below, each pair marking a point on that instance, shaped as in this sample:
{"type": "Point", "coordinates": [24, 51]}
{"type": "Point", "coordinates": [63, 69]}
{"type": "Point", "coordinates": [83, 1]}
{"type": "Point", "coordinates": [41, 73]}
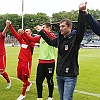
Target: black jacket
{"type": "Point", "coordinates": [67, 61]}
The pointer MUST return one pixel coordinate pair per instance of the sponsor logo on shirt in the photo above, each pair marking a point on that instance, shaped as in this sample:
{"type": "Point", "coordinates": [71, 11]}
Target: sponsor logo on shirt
{"type": "Point", "coordinates": [24, 46]}
{"type": "Point", "coordinates": [67, 69]}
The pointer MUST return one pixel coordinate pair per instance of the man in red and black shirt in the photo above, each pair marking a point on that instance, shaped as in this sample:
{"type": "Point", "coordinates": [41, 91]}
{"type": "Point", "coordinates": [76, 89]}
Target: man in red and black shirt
{"type": "Point", "coordinates": [46, 62]}
{"type": "Point", "coordinates": [25, 59]}
{"type": "Point", "coordinates": [3, 57]}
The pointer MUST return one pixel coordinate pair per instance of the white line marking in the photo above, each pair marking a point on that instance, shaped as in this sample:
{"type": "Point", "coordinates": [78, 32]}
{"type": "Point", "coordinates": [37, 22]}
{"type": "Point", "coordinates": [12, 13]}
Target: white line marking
{"type": "Point", "coordinates": [88, 93]}
{"type": "Point", "coordinates": [78, 91]}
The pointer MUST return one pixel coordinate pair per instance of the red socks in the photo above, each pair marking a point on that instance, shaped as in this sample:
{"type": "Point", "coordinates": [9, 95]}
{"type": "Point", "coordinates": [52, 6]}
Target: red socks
{"type": "Point", "coordinates": [25, 80]}
{"type": "Point", "coordinates": [5, 75]}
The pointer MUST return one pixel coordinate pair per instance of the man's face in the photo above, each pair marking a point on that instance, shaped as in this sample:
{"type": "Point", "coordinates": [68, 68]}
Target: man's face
{"type": "Point", "coordinates": [28, 31]}
{"type": "Point", "coordinates": [20, 31]}
{"type": "Point", "coordinates": [65, 30]}
{"type": "Point", "coordinates": [46, 28]}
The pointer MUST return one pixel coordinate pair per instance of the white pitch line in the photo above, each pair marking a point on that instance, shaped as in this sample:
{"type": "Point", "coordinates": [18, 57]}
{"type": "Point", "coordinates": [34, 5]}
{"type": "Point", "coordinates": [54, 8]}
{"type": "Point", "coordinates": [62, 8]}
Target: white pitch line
{"type": "Point", "coordinates": [78, 91]}
{"type": "Point", "coordinates": [88, 93]}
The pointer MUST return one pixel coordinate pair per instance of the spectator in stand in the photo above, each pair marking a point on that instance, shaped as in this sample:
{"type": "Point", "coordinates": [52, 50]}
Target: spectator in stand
{"type": "Point", "coordinates": [3, 57]}
{"type": "Point", "coordinates": [25, 58]}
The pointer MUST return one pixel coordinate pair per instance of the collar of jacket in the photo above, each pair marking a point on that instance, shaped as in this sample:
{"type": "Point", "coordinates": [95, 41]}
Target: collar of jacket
{"type": "Point", "coordinates": [73, 32]}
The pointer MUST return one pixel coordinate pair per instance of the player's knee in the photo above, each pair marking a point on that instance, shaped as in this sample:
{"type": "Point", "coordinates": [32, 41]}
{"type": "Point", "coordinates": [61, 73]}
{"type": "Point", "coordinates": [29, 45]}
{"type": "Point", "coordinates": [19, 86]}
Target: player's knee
{"type": "Point", "coordinates": [50, 81]}
{"type": "Point", "coordinates": [1, 72]}
{"type": "Point", "coordinates": [39, 81]}
{"type": "Point", "coordinates": [25, 84]}
{"type": "Point", "coordinates": [19, 77]}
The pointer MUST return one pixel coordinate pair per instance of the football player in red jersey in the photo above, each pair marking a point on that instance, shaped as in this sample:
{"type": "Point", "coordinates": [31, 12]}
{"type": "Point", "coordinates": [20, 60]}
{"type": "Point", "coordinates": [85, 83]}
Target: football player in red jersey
{"type": "Point", "coordinates": [3, 57]}
{"type": "Point", "coordinates": [25, 58]}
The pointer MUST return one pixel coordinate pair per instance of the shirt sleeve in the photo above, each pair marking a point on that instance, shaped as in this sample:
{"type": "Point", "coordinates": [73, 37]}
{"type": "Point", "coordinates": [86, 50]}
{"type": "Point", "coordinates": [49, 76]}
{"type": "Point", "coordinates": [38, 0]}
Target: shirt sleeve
{"type": "Point", "coordinates": [51, 35]}
{"type": "Point", "coordinates": [15, 34]}
{"type": "Point", "coordinates": [50, 41]}
{"type": "Point", "coordinates": [95, 26]}
{"type": "Point", "coordinates": [80, 27]}
{"type": "Point", "coordinates": [32, 44]}
{"type": "Point", "coordinates": [35, 39]}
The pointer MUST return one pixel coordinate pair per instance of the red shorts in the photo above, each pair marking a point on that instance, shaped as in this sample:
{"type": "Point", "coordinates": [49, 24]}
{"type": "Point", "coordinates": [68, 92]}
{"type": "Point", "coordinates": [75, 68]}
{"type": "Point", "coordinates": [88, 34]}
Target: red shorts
{"type": "Point", "coordinates": [2, 63]}
{"type": "Point", "coordinates": [24, 68]}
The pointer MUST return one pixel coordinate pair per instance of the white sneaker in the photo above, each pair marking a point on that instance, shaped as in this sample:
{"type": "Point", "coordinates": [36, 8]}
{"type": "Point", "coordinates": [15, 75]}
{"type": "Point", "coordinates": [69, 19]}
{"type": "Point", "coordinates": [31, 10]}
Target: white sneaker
{"type": "Point", "coordinates": [28, 87]}
{"type": "Point", "coordinates": [21, 97]}
{"type": "Point", "coordinates": [49, 98]}
{"type": "Point", "coordinates": [8, 85]}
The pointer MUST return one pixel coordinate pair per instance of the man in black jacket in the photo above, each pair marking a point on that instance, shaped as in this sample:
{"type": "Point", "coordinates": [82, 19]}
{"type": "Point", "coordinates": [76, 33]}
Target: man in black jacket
{"type": "Point", "coordinates": [68, 44]}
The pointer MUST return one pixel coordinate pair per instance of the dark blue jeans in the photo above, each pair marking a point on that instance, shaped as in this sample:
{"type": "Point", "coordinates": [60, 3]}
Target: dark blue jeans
{"type": "Point", "coordinates": [66, 86]}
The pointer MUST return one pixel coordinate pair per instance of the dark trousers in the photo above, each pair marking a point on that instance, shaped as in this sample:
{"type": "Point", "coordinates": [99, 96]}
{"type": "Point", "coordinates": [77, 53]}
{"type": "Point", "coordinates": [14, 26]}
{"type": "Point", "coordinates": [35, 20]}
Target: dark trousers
{"type": "Point", "coordinates": [45, 71]}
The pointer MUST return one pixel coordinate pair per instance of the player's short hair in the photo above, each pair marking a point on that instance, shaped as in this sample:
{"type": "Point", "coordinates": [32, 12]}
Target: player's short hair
{"type": "Point", "coordinates": [30, 28]}
{"type": "Point", "coordinates": [68, 22]}
{"type": "Point", "coordinates": [47, 24]}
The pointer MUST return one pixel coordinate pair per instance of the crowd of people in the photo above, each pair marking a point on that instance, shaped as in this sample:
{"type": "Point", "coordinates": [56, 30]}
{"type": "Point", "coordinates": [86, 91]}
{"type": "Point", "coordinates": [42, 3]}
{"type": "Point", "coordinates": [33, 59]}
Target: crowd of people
{"type": "Point", "coordinates": [68, 44]}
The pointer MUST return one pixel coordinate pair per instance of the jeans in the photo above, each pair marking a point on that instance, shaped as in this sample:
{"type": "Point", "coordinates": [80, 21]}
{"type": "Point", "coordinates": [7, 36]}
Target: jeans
{"type": "Point", "coordinates": [66, 86]}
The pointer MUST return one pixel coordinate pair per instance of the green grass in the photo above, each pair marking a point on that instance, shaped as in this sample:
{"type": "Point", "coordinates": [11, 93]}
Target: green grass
{"type": "Point", "coordinates": [88, 80]}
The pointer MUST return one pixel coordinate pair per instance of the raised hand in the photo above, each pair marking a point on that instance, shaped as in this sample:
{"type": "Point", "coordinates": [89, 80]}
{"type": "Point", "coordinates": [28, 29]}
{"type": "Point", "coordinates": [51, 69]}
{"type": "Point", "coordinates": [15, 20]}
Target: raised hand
{"type": "Point", "coordinates": [8, 22]}
{"type": "Point", "coordinates": [38, 28]}
{"type": "Point", "coordinates": [20, 31]}
{"type": "Point", "coordinates": [82, 6]}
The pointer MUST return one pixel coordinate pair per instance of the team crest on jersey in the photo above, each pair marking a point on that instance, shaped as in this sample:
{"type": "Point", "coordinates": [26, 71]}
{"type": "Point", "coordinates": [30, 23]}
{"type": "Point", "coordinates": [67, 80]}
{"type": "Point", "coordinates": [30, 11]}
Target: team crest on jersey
{"type": "Point", "coordinates": [66, 47]}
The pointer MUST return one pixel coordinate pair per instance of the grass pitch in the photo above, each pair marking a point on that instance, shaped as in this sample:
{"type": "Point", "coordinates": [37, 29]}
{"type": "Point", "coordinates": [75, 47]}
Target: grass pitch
{"type": "Point", "coordinates": [88, 85]}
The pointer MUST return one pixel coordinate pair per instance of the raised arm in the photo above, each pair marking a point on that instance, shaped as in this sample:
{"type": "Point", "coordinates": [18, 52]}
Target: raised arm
{"type": "Point", "coordinates": [93, 23]}
{"type": "Point", "coordinates": [32, 44]}
{"type": "Point", "coordinates": [81, 24]}
{"type": "Point", "coordinates": [5, 30]}
{"type": "Point", "coordinates": [50, 41]}
{"type": "Point", "coordinates": [35, 39]}
{"type": "Point", "coordinates": [51, 35]}
{"type": "Point", "coordinates": [14, 33]}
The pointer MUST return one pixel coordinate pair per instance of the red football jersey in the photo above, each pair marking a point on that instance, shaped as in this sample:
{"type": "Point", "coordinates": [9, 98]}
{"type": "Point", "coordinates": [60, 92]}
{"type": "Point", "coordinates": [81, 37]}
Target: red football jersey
{"type": "Point", "coordinates": [2, 45]}
{"type": "Point", "coordinates": [26, 49]}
